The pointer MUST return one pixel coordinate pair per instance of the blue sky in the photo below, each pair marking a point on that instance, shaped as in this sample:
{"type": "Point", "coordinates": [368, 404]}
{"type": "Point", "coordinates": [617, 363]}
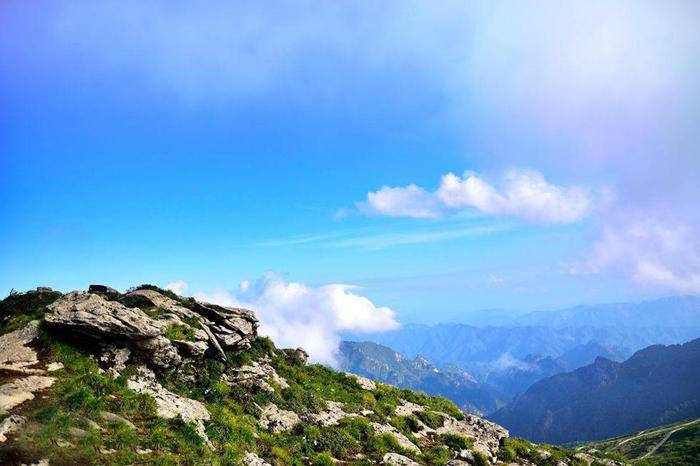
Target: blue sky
{"type": "Point", "coordinates": [158, 142]}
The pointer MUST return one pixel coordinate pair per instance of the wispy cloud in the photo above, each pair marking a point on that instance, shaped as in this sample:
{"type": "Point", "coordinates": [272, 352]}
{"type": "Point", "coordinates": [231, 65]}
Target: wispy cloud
{"type": "Point", "coordinates": [375, 239]}
{"type": "Point", "coordinates": [297, 240]}
{"type": "Point", "coordinates": [387, 240]}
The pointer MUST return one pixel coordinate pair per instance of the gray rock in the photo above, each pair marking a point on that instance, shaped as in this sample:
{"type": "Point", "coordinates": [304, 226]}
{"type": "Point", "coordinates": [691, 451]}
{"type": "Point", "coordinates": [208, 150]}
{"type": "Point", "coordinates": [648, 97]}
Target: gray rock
{"type": "Point", "coordinates": [151, 298]}
{"type": "Point", "coordinates": [223, 327]}
{"type": "Point", "coordinates": [255, 376]}
{"type": "Point", "coordinates": [168, 404]}
{"type": "Point", "coordinates": [160, 352]}
{"type": "Point", "coordinates": [15, 353]}
{"type": "Point", "coordinates": [403, 441]}
{"type": "Point", "coordinates": [111, 417]}
{"type": "Point", "coordinates": [234, 328]}
{"type": "Point", "coordinates": [21, 390]}
{"type": "Point", "coordinates": [251, 459]}
{"type": "Point", "coordinates": [364, 382]}
{"type": "Point", "coordinates": [302, 355]}
{"type": "Point", "coordinates": [486, 434]}
{"type": "Point", "coordinates": [115, 359]}
{"type": "Point", "coordinates": [394, 459]}
{"type": "Point", "coordinates": [10, 425]}
{"type": "Point", "coordinates": [406, 408]}
{"type": "Point", "coordinates": [76, 432]}
{"type": "Point", "coordinates": [54, 366]}
{"type": "Point", "coordinates": [331, 415]}
{"type": "Point", "coordinates": [277, 420]}
{"type": "Point", "coordinates": [93, 316]}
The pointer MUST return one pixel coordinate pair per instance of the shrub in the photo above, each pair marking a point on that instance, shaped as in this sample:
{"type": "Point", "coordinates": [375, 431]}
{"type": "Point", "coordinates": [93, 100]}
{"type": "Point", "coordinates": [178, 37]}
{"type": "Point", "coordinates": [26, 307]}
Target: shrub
{"type": "Point", "coordinates": [457, 442]}
{"type": "Point", "coordinates": [323, 459]}
{"type": "Point", "coordinates": [480, 459]}
{"type": "Point", "coordinates": [336, 441]}
{"type": "Point", "coordinates": [430, 418]}
{"type": "Point", "coordinates": [177, 331]}
{"type": "Point", "coordinates": [436, 455]}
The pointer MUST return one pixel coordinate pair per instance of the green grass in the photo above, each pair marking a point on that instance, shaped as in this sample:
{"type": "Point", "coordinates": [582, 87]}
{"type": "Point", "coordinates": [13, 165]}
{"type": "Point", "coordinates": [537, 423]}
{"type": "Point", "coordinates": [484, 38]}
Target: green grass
{"type": "Point", "coordinates": [177, 331]}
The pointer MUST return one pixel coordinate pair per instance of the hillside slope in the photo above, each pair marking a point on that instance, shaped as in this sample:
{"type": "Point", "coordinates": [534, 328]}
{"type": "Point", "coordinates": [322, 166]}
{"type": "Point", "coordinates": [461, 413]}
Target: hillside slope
{"type": "Point", "coordinates": [386, 365]}
{"type": "Point", "coordinates": [657, 385]}
{"type": "Point", "coordinates": [670, 445]}
{"type": "Point", "coordinates": [151, 378]}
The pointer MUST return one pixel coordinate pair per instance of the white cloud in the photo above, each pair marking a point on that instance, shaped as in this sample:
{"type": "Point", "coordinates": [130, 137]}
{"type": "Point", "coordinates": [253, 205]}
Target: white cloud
{"type": "Point", "coordinates": [178, 286]}
{"type": "Point", "coordinates": [523, 193]}
{"type": "Point", "coordinates": [665, 256]}
{"type": "Point", "coordinates": [409, 201]}
{"type": "Point", "coordinates": [296, 315]}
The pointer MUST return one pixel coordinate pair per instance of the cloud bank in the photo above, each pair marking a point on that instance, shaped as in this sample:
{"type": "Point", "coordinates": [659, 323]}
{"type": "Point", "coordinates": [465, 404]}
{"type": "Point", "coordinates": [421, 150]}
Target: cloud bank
{"type": "Point", "coordinates": [297, 315]}
{"type": "Point", "coordinates": [661, 255]}
{"type": "Point", "coordinates": [523, 194]}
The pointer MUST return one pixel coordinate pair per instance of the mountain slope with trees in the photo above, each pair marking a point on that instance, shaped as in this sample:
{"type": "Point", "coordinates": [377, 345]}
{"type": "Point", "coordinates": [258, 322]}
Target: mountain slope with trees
{"type": "Point", "coordinates": [657, 385]}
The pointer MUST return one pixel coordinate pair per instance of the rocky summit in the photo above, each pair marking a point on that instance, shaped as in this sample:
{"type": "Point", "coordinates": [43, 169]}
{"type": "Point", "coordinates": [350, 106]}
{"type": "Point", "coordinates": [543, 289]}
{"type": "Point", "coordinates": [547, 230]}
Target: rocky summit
{"type": "Point", "coordinates": [149, 377]}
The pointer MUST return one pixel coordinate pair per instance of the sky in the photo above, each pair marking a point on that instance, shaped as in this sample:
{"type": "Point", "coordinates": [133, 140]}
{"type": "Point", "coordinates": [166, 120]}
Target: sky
{"type": "Point", "coordinates": [339, 166]}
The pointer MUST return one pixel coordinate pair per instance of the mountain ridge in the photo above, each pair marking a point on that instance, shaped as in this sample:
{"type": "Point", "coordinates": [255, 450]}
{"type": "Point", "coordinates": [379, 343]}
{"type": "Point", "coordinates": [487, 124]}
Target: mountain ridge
{"type": "Point", "coordinates": [657, 385]}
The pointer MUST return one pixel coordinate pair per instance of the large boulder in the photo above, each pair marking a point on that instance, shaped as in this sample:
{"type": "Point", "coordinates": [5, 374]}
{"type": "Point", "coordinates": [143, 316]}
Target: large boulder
{"type": "Point", "coordinates": [93, 316]}
{"type": "Point", "coordinates": [235, 328]}
{"type": "Point", "coordinates": [227, 327]}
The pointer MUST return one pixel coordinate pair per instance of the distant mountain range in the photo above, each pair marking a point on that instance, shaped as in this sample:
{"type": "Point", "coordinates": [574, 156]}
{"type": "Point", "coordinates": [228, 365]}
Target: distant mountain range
{"type": "Point", "coordinates": [670, 312]}
{"type": "Point", "coordinates": [573, 337]}
{"type": "Point", "coordinates": [504, 361]}
{"type": "Point", "coordinates": [657, 385]}
{"type": "Point", "coordinates": [384, 364]}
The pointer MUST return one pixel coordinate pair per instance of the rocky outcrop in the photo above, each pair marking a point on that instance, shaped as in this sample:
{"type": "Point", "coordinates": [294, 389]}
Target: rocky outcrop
{"type": "Point", "coordinates": [93, 316]}
{"type": "Point", "coordinates": [225, 327]}
{"type": "Point", "coordinates": [123, 324]}
{"type": "Point", "coordinates": [15, 353]}
{"type": "Point", "coordinates": [21, 390]}
{"type": "Point", "coordinates": [234, 328]}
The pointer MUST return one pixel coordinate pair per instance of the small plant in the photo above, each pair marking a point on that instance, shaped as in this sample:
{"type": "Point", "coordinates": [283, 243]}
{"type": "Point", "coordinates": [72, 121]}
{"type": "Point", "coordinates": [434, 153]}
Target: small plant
{"type": "Point", "coordinates": [177, 331]}
{"type": "Point", "coordinates": [457, 442]}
